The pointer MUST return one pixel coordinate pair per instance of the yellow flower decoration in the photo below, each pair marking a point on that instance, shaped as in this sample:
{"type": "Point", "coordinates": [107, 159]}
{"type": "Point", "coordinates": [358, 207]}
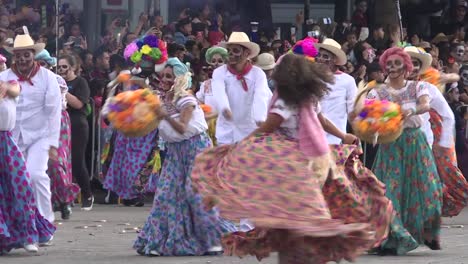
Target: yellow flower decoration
{"type": "Point", "coordinates": [146, 49]}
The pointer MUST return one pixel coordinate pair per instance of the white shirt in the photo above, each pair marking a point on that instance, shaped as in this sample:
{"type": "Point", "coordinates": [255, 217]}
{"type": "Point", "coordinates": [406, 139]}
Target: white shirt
{"type": "Point", "coordinates": [63, 89]}
{"type": "Point", "coordinates": [290, 114]}
{"type": "Point", "coordinates": [440, 105]}
{"type": "Point", "coordinates": [38, 113]}
{"type": "Point", "coordinates": [247, 107]}
{"type": "Point", "coordinates": [205, 94]}
{"type": "Point", "coordinates": [7, 113]}
{"type": "Point", "coordinates": [338, 103]}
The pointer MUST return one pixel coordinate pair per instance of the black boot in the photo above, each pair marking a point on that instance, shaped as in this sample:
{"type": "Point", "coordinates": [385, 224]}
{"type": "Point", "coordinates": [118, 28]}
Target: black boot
{"type": "Point", "coordinates": [66, 211]}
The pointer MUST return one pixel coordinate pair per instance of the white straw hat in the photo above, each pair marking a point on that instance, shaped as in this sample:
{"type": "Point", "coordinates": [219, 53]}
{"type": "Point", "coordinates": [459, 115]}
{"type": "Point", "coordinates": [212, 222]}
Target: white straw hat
{"type": "Point", "coordinates": [424, 57]}
{"type": "Point", "coordinates": [266, 61]}
{"type": "Point", "coordinates": [240, 38]}
{"type": "Point", "coordinates": [332, 46]}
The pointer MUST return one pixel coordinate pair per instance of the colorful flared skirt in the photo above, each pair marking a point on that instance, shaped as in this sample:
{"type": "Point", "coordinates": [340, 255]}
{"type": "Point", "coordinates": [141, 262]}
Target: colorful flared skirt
{"type": "Point", "coordinates": [455, 186]}
{"type": "Point", "coordinates": [64, 191]}
{"type": "Point", "coordinates": [129, 169]}
{"type": "Point", "coordinates": [408, 170]}
{"type": "Point", "coordinates": [178, 224]}
{"type": "Point", "coordinates": [266, 179]}
{"type": "Point", "coordinates": [355, 195]}
{"type": "Point", "coordinates": [20, 221]}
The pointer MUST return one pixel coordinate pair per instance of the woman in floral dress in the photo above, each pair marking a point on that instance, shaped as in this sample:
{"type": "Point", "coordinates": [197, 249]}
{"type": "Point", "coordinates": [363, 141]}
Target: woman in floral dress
{"type": "Point", "coordinates": [178, 224]}
{"type": "Point", "coordinates": [64, 191]}
{"type": "Point", "coordinates": [275, 178]}
{"type": "Point", "coordinates": [406, 166]}
{"type": "Point", "coordinates": [129, 171]}
{"type": "Point", "coordinates": [21, 224]}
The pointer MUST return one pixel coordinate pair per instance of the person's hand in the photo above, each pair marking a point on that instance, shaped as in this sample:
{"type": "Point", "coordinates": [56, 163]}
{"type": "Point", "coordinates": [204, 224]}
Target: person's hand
{"type": "Point", "coordinates": [362, 71]}
{"type": "Point", "coordinates": [152, 32]}
{"type": "Point", "coordinates": [408, 113]}
{"type": "Point", "coordinates": [53, 154]}
{"type": "Point", "coordinates": [143, 18]}
{"type": "Point", "coordinates": [300, 18]}
{"type": "Point", "coordinates": [227, 114]}
{"type": "Point", "coordinates": [161, 113]}
{"type": "Point", "coordinates": [84, 43]}
{"type": "Point", "coordinates": [115, 23]}
{"type": "Point", "coordinates": [349, 139]}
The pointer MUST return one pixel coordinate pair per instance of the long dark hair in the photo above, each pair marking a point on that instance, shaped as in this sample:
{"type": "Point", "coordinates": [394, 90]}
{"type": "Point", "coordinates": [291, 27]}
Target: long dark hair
{"type": "Point", "coordinates": [300, 80]}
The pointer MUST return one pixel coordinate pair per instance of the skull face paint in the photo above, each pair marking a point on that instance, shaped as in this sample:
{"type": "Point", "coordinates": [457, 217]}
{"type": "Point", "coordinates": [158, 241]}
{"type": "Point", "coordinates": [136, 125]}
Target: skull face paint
{"type": "Point", "coordinates": [416, 68]}
{"type": "Point", "coordinates": [326, 57]}
{"type": "Point", "coordinates": [236, 54]}
{"type": "Point", "coordinates": [395, 67]}
{"type": "Point", "coordinates": [460, 53]}
{"type": "Point", "coordinates": [464, 76]}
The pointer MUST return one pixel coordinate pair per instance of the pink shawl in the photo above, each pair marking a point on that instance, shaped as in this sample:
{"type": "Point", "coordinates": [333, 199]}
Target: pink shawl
{"type": "Point", "coordinates": [311, 136]}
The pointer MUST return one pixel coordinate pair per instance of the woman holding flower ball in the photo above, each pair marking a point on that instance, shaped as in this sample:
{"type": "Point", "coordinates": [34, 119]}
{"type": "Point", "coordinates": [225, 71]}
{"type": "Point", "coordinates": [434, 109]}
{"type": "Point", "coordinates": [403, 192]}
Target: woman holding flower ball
{"type": "Point", "coordinates": [132, 158]}
{"type": "Point", "coordinates": [406, 166]}
{"type": "Point", "coordinates": [178, 224]}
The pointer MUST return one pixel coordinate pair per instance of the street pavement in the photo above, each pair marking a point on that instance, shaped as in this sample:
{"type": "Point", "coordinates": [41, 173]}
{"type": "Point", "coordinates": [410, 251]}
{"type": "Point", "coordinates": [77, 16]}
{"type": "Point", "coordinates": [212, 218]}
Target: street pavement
{"type": "Point", "coordinates": [105, 236]}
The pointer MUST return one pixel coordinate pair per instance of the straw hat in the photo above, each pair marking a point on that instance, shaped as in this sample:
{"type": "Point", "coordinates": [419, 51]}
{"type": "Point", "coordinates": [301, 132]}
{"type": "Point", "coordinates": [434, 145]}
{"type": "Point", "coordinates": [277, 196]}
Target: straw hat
{"type": "Point", "coordinates": [420, 54]}
{"type": "Point", "coordinates": [25, 42]}
{"type": "Point", "coordinates": [240, 38]}
{"type": "Point", "coordinates": [266, 61]}
{"type": "Point", "coordinates": [332, 46]}
{"type": "Point", "coordinates": [441, 37]}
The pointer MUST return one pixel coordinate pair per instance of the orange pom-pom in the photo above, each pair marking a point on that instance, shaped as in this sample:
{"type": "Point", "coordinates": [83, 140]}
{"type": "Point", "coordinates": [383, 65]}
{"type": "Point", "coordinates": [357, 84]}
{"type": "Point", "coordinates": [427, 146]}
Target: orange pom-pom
{"type": "Point", "coordinates": [206, 108]}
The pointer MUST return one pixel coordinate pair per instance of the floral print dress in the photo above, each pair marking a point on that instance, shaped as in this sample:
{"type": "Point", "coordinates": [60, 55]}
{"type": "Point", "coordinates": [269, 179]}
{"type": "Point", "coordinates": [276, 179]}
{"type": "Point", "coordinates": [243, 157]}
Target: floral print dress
{"type": "Point", "coordinates": [407, 168]}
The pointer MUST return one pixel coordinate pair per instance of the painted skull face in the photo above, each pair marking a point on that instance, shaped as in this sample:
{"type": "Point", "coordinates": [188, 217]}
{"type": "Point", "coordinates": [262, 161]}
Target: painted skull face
{"type": "Point", "coordinates": [394, 66]}
{"type": "Point", "coordinates": [460, 53]}
{"type": "Point", "coordinates": [416, 68]}
{"type": "Point", "coordinates": [464, 76]}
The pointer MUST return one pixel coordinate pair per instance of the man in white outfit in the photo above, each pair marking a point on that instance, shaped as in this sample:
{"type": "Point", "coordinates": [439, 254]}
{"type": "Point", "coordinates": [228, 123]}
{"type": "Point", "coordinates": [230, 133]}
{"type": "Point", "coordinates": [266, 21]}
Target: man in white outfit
{"type": "Point", "coordinates": [241, 91]}
{"type": "Point", "coordinates": [38, 115]}
{"type": "Point", "coordinates": [339, 102]}
{"type": "Point", "coordinates": [422, 61]}
{"type": "Point", "coordinates": [242, 94]}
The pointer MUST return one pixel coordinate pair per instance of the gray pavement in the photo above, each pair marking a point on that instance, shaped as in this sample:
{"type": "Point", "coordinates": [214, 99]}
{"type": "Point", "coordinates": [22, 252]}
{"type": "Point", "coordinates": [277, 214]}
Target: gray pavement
{"type": "Point", "coordinates": [109, 233]}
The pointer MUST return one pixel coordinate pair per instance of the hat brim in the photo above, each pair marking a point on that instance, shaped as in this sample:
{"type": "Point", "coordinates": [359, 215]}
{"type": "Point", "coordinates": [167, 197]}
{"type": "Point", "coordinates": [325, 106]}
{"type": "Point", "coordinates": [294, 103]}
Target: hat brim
{"type": "Point", "coordinates": [253, 47]}
{"type": "Point", "coordinates": [38, 47]}
{"type": "Point", "coordinates": [426, 60]}
{"type": "Point", "coordinates": [266, 67]}
{"type": "Point", "coordinates": [339, 53]}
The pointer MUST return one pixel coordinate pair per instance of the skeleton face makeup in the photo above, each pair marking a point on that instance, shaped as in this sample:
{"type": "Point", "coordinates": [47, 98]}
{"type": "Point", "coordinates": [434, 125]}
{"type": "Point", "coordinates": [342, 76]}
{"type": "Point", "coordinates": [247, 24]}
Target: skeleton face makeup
{"type": "Point", "coordinates": [416, 68]}
{"type": "Point", "coordinates": [326, 57]}
{"type": "Point", "coordinates": [464, 76]}
{"type": "Point", "coordinates": [394, 67]}
{"type": "Point", "coordinates": [460, 53]}
{"type": "Point", "coordinates": [236, 54]}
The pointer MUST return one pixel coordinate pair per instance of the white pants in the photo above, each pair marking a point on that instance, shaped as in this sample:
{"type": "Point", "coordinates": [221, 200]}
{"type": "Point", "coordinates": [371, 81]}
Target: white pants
{"type": "Point", "coordinates": [37, 157]}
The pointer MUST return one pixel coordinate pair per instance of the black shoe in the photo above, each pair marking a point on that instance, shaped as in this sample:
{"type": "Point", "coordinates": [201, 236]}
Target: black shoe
{"type": "Point", "coordinates": [139, 202]}
{"type": "Point", "coordinates": [128, 202]}
{"type": "Point", "coordinates": [387, 252]}
{"type": "Point", "coordinates": [433, 245]}
{"type": "Point", "coordinates": [87, 204]}
{"type": "Point", "coordinates": [66, 211]}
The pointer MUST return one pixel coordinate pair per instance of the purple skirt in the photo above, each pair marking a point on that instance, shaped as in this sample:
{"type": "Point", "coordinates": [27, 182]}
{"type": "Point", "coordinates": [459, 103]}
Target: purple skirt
{"type": "Point", "coordinates": [20, 221]}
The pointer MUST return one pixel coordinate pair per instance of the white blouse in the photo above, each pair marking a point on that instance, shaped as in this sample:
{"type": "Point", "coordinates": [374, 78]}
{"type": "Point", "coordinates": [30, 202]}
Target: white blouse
{"type": "Point", "coordinates": [7, 113]}
{"type": "Point", "coordinates": [407, 97]}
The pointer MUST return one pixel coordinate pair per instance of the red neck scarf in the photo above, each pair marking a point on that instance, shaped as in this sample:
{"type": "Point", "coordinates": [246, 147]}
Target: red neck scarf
{"type": "Point", "coordinates": [240, 75]}
{"type": "Point", "coordinates": [26, 78]}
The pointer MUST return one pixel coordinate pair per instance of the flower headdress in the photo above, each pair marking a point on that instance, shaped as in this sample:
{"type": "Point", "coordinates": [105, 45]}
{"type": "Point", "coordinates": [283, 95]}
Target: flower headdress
{"type": "Point", "coordinates": [306, 47]}
{"type": "Point", "coordinates": [147, 50]}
